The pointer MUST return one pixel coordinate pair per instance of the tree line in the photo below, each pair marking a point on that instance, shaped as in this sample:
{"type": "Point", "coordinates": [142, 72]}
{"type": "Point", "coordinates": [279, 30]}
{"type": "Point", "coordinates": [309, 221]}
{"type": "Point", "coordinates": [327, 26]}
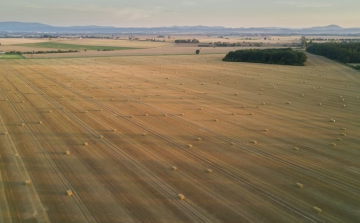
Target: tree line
{"type": "Point", "coordinates": [343, 52]}
{"type": "Point", "coordinates": [40, 52]}
{"type": "Point", "coordinates": [270, 56]}
{"type": "Point", "coordinates": [186, 41]}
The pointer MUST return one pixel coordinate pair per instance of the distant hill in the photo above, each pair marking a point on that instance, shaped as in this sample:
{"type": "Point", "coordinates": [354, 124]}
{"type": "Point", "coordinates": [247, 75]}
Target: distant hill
{"type": "Point", "coordinates": [22, 27]}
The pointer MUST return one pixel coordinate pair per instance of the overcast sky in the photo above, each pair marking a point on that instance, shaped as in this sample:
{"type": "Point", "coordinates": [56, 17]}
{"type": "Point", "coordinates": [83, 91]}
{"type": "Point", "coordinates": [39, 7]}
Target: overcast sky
{"type": "Point", "coordinates": [150, 13]}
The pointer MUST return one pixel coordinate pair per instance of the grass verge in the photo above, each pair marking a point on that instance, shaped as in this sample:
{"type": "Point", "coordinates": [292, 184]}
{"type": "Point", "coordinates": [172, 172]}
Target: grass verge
{"type": "Point", "coordinates": [11, 56]}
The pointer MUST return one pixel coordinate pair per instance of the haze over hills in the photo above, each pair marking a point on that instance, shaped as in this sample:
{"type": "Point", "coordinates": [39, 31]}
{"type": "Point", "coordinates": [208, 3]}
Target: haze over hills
{"type": "Point", "coordinates": [22, 27]}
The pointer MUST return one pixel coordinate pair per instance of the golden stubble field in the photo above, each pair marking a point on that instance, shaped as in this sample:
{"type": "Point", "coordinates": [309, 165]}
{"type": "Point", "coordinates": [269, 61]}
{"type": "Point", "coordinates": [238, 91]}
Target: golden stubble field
{"type": "Point", "coordinates": [117, 139]}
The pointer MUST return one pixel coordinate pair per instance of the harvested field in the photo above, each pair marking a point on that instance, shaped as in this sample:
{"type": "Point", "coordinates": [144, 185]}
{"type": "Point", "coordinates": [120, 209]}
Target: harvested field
{"type": "Point", "coordinates": [157, 139]}
{"type": "Point", "coordinates": [121, 43]}
{"type": "Point", "coordinates": [66, 46]}
{"type": "Point", "coordinates": [11, 41]}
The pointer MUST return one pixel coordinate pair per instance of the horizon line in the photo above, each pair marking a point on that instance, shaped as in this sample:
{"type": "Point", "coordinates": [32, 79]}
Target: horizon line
{"type": "Point", "coordinates": [181, 26]}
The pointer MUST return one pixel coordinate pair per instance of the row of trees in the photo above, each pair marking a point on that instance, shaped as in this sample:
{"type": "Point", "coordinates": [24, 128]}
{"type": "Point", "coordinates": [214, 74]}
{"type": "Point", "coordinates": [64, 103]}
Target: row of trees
{"type": "Point", "coordinates": [186, 41]}
{"type": "Point", "coordinates": [227, 44]}
{"type": "Point", "coordinates": [270, 56]}
{"type": "Point", "coordinates": [343, 52]}
{"type": "Point", "coordinates": [40, 52]}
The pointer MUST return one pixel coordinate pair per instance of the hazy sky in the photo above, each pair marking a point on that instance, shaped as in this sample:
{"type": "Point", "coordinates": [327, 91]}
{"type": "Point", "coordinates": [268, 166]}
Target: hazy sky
{"type": "Point", "coordinates": [150, 13]}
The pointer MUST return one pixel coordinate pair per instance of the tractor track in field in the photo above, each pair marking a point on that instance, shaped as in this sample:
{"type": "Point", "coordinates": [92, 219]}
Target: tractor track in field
{"type": "Point", "coordinates": [37, 205]}
{"type": "Point", "coordinates": [270, 196]}
{"type": "Point", "coordinates": [268, 155]}
{"type": "Point", "coordinates": [188, 206]}
{"type": "Point", "coordinates": [33, 133]}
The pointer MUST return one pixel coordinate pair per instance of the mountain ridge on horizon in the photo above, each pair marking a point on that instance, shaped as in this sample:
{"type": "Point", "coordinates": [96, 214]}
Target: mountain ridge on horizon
{"type": "Point", "coordinates": [18, 27]}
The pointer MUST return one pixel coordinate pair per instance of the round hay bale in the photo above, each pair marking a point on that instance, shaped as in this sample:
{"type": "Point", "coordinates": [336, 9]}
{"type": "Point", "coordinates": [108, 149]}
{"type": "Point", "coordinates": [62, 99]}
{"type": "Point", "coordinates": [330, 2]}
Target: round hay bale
{"type": "Point", "coordinates": [254, 142]}
{"type": "Point", "coordinates": [299, 185]}
{"type": "Point", "coordinates": [190, 146]}
{"type": "Point", "coordinates": [181, 197]}
{"type": "Point", "coordinates": [67, 152]}
{"type": "Point", "coordinates": [343, 129]}
{"type": "Point", "coordinates": [317, 210]}
{"type": "Point", "coordinates": [174, 168]}
{"type": "Point", "coordinates": [69, 193]}
{"type": "Point", "coordinates": [333, 144]}
{"type": "Point", "coordinates": [232, 143]}
{"type": "Point", "coordinates": [144, 134]}
{"type": "Point", "coordinates": [114, 130]}
{"type": "Point", "coordinates": [86, 144]}
{"type": "Point", "coordinates": [216, 120]}
{"type": "Point", "coordinates": [343, 134]}
{"type": "Point", "coordinates": [296, 148]}
{"type": "Point", "coordinates": [40, 122]}
{"type": "Point", "coordinates": [209, 170]}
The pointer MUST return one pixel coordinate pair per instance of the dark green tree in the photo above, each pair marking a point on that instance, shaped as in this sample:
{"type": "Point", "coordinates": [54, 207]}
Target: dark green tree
{"type": "Point", "coordinates": [303, 42]}
{"type": "Point", "coordinates": [342, 52]}
{"type": "Point", "coordinates": [270, 56]}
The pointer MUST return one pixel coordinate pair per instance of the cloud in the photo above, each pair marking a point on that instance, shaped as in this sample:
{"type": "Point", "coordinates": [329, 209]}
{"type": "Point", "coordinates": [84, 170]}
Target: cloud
{"type": "Point", "coordinates": [188, 3]}
{"type": "Point", "coordinates": [305, 4]}
{"type": "Point", "coordinates": [123, 13]}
